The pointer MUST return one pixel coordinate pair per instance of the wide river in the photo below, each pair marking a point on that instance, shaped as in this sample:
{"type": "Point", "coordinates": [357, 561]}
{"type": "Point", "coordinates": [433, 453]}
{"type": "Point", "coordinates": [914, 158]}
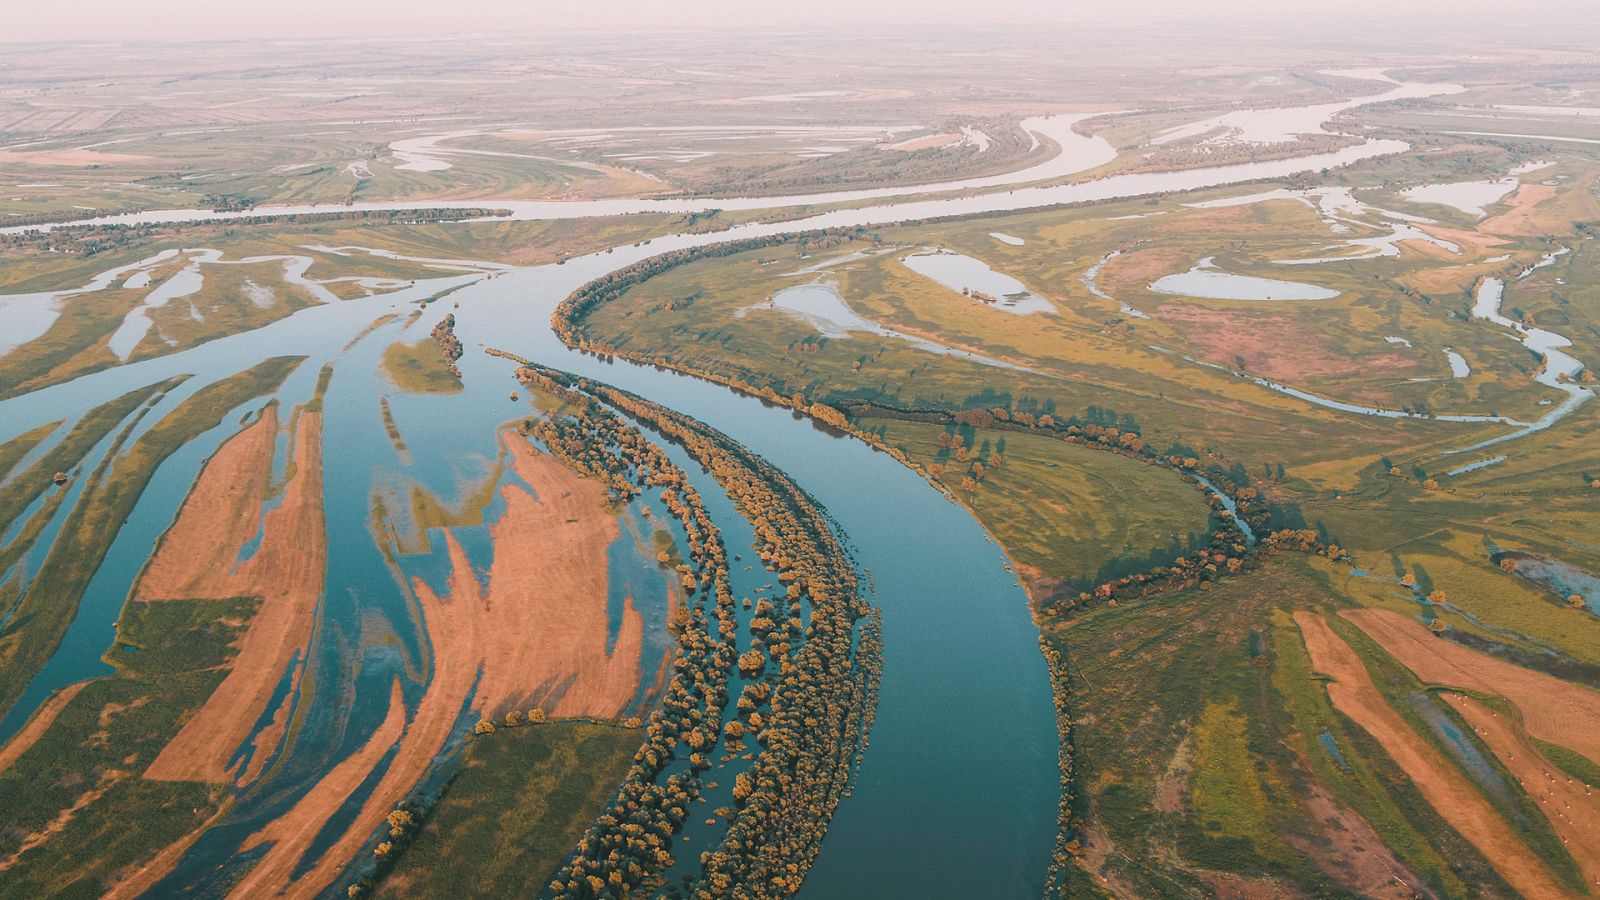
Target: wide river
{"type": "Point", "coordinates": [958, 793]}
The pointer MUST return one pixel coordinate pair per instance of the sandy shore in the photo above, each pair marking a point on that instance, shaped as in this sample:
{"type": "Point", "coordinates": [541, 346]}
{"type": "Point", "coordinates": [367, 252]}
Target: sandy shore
{"type": "Point", "coordinates": [1441, 784]}
{"type": "Point", "coordinates": [287, 571]}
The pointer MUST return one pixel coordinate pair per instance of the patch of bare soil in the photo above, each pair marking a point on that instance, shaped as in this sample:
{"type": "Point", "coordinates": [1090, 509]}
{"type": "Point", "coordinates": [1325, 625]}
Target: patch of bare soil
{"type": "Point", "coordinates": [196, 560]}
{"type": "Point", "coordinates": [1172, 791]}
{"type": "Point", "coordinates": [1353, 693]}
{"type": "Point", "coordinates": [1354, 854]}
{"type": "Point", "coordinates": [1523, 217]}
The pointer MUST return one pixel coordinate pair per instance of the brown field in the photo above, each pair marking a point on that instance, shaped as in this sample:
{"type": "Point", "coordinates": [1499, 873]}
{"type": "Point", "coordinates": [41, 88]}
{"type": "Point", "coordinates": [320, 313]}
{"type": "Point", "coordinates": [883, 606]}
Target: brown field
{"type": "Point", "coordinates": [536, 637]}
{"type": "Point", "coordinates": [1523, 217]}
{"type": "Point", "coordinates": [1572, 807]}
{"type": "Point", "coordinates": [1552, 710]}
{"type": "Point", "coordinates": [292, 834]}
{"type": "Point", "coordinates": [1353, 693]}
{"type": "Point", "coordinates": [38, 725]}
{"type": "Point", "coordinates": [924, 143]}
{"type": "Point", "coordinates": [196, 561]}
{"type": "Point", "coordinates": [1280, 347]}
{"type": "Point", "coordinates": [76, 157]}
{"type": "Point", "coordinates": [221, 513]}
{"type": "Point", "coordinates": [549, 650]}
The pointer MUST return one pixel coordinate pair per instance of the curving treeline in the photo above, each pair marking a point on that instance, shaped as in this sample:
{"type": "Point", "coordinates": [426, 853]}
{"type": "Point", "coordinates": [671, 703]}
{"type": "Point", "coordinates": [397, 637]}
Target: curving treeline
{"type": "Point", "coordinates": [1243, 512]}
{"type": "Point", "coordinates": [811, 663]}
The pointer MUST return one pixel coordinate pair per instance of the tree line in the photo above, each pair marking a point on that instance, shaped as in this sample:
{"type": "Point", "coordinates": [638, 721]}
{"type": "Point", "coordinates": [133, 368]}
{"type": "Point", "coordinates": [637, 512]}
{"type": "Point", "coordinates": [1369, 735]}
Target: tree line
{"type": "Point", "coordinates": [811, 662]}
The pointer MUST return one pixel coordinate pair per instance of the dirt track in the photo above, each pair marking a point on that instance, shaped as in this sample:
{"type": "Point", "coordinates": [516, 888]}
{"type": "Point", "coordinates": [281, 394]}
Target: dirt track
{"type": "Point", "coordinates": [1440, 783]}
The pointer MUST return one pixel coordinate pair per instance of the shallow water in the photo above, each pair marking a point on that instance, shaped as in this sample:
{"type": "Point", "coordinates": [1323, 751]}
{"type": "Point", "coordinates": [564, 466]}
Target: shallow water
{"type": "Point", "coordinates": [1469, 197]}
{"type": "Point", "coordinates": [1564, 579]}
{"type": "Point", "coordinates": [1549, 259]}
{"type": "Point", "coordinates": [1091, 281]}
{"type": "Point", "coordinates": [27, 316]}
{"type": "Point", "coordinates": [1559, 366]}
{"type": "Point", "coordinates": [819, 305]}
{"type": "Point", "coordinates": [1480, 464]}
{"type": "Point", "coordinates": [1342, 213]}
{"type": "Point", "coordinates": [1206, 281]}
{"type": "Point", "coordinates": [965, 275]}
{"type": "Point", "coordinates": [1267, 126]}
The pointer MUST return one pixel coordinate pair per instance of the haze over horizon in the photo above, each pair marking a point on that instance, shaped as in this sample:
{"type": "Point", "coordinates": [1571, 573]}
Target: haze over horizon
{"type": "Point", "coordinates": [181, 20]}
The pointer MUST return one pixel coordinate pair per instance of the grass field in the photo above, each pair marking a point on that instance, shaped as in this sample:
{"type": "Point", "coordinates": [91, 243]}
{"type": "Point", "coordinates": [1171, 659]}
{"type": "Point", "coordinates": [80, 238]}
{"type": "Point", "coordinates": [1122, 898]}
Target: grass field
{"type": "Point", "coordinates": [1246, 777]}
{"type": "Point", "coordinates": [514, 812]}
{"type": "Point", "coordinates": [419, 368]}
{"type": "Point", "coordinates": [1073, 517]}
{"type": "Point", "coordinates": [91, 757]}
{"type": "Point", "coordinates": [1328, 468]}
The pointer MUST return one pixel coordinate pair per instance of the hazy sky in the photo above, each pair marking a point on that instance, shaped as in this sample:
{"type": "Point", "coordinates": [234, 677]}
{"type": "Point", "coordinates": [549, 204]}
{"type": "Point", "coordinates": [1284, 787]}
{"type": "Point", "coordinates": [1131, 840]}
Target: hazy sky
{"type": "Point", "coordinates": [34, 20]}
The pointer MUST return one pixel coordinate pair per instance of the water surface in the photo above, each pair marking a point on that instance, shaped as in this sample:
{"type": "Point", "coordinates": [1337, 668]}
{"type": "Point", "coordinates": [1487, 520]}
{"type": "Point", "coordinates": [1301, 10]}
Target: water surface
{"type": "Point", "coordinates": [1205, 280]}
